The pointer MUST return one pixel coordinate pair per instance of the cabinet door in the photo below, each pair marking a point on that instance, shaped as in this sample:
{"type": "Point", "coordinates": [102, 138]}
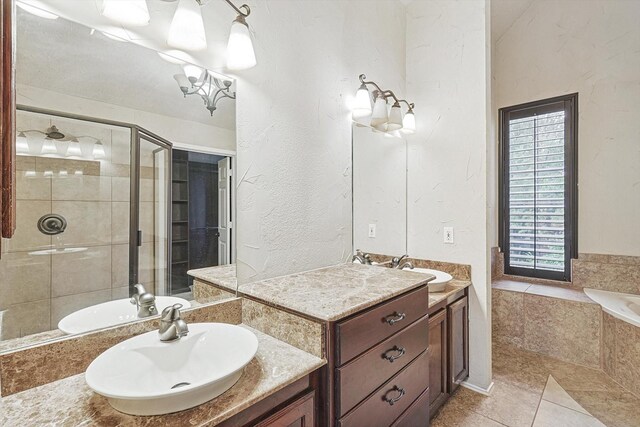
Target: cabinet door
{"type": "Point", "coordinates": [300, 413]}
{"type": "Point", "coordinates": [438, 360]}
{"type": "Point", "coordinates": [458, 348]}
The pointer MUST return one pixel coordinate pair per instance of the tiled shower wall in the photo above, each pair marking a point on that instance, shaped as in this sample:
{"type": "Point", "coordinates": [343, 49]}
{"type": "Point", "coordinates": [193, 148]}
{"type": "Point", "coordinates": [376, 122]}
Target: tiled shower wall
{"type": "Point", "coordinates": [37, 290]}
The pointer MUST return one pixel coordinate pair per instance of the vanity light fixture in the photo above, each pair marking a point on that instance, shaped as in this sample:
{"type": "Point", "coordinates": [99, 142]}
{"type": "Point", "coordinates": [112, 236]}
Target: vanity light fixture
{"type": "Point", "coordinates": [74, 148]}
{"type": "Point", "coordinates": [35, 8]}
{"type": "Point", "coordinates": [381, 117]}
{"type": "Point", "coordinates": [187, 27]}
{"type": "Point", "coordinates": [98, 150]}
{"type": "Point", "coordinates": [49, 147]}
{"type": "Point", "coordinates": [240, 54]}
{"type": "Point", "coordinates": [22, 146]}
{"type": "Point", "coordinates": [203, 83]}
{"type": "Point", "coordinates": [127, 12]}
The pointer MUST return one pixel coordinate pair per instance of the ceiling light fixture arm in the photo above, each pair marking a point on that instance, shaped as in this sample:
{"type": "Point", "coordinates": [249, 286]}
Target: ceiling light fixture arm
{"type": "Point", "coordinates": [363, 79]}
{"type": "Point", "coordinates": [245, 13]}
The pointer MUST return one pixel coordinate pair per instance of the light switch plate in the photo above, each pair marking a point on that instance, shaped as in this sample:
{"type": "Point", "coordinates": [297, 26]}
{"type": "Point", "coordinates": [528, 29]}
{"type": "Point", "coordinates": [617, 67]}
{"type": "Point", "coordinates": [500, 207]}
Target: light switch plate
{"type": "Point", "coordinates": [448, 235]}
{"type": "Point", "coordinates": [372, 230]}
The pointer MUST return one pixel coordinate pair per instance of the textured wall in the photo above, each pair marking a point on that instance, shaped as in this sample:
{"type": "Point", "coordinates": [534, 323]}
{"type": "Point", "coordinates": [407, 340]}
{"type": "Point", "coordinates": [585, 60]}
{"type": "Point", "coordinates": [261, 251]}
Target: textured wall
{"type": "Point", "coordinates": [294, 128]}
{"type": "Point", "coordinates": [447, 76]}
{"type": "Point", "coordinates": [592, 48]}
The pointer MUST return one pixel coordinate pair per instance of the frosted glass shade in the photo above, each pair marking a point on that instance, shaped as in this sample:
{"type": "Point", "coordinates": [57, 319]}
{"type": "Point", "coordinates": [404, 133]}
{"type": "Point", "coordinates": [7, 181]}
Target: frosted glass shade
{"type": "Point", "coordinates": [183, 81]}
{"type": "Point", "coordinates": [362, 104]}
{"type": "Point", "coordinates": [127, 12]}
{"type": "Point", "coordinates": [240, 54]}
{"type": "Point", "coordinates": [395, 118]}
{"type": "Point", "coordinates": [193, 72]}
{"type": "Point", "coordinates": [22, 146]}
{"type": "Point", "coordinates": [379, 116]}
{"type": "Point", "coordinates": [49, 147]}
{"type": "Point", "coordinates": [409, 123]}
{"type": "Point", "coordinates": [74, 149]}
{"type": "Point", "coordinates": [98, 151]}
{"type": "Point", "coordinates": [187, 27]}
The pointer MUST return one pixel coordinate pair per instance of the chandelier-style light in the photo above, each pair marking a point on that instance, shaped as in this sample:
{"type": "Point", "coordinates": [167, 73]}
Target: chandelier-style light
{"type": "Point", "coordinates": [381, 117]}
{"type": "Point", "coordinates": [196, 81]}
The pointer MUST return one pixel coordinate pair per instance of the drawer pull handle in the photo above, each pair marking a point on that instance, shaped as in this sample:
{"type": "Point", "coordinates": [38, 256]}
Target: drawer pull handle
{"type": "Point", "coordinates": [394, 318]}
{"type": "Point", "coordinates": [392, 400]}
{"type": "Point", "coordinates": [401, 351]}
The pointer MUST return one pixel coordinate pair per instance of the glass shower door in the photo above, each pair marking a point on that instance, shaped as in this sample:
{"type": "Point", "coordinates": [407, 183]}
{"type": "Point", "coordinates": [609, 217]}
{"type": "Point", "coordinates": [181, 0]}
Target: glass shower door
{"type": "Point", "coordinates": [153, 216]}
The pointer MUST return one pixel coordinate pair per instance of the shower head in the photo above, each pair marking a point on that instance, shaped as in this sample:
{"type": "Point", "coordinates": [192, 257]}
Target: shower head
{"type": "Point", "coordinates": [54, 133]}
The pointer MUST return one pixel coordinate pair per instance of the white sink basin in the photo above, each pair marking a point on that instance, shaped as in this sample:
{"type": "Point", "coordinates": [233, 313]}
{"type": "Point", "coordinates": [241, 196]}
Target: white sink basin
{"type": "Point", "coordinates": [439, 283]}
{"type": "Point", "coordinates": [145, 376]}
{"type": "Point", "coordinates": [110, 313]}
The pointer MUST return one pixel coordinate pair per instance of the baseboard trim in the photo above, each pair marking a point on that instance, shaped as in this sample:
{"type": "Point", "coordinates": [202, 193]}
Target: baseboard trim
{"type": "Point", "coordinates": [477, 389]}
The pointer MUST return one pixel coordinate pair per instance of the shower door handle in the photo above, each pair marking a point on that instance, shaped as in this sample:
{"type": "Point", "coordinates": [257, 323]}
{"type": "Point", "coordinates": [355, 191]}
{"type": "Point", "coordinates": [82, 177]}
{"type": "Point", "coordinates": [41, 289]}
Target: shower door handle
{"type": "Point", "coordinates": [139, 243]}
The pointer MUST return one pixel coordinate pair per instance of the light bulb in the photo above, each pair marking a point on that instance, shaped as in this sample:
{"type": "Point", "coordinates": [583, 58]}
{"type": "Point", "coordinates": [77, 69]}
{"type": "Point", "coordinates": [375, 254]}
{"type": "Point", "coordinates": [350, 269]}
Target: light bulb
{"type": "Point", "coordinates": [187, 27]}
{"type": "Point", "coordinates": [36, 9]}
{"type": "Point", "coordinates": [379, 116]}
{"type": "Point", "coordinates": [362, 104]}
{"type": "Point", "coordinates": [22, 146]}
{"type": "Point", "coordinates": [409, 123]}
{"type": "Point", "coordinates": [193, 72]}
{"type": "Point", "coordinates": [49, 147]}
{"type": "Point", "coordinates": [395, 117]}
{"type": "Point", "coordinates": [74, 148]}
{"type": "Point", "coordinates": [240, 54]}
{"type": "Point", "coordinates": [127, 12]}
{"type": "Point", "coordinates": [98, 151]}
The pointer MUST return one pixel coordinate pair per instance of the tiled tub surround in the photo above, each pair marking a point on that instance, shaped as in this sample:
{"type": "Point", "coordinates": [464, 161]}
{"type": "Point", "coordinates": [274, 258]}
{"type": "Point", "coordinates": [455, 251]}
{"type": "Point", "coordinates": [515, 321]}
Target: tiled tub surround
{"type": "Point", "coordinates": [621, 352]}
{"type": "Point", "coordinates": [71, 402]}
{"type": "Point", "coordinates": [38, 290]}
{"type": "Point", "coordinates": [222, 276]}
{"type": "Point", "coordinates": [30, 367]}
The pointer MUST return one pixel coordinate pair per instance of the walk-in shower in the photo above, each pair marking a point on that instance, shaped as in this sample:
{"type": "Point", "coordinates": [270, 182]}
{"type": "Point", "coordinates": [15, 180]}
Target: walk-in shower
{"type": "Point", "coordinates": [93, 208]}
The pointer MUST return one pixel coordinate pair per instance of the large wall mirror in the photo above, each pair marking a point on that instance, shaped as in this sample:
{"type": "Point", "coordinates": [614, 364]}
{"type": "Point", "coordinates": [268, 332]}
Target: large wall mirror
{"type": "Point", "coordinates": [379, 192]}
{"type": "Point", "coordinates": [122, 178]}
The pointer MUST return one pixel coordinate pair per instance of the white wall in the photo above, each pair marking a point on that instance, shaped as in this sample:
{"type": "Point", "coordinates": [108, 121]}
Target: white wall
{"type": "Point", "coordinates": [294, 127]}
{"type": "Point", "coordinates": [593, 48]}
{"type": "Point", "coordinates": [379, 192]}
{"type": "Point", "coordinates": [448, 63]}
{"type": "Point", "coordinates": [173, 129]}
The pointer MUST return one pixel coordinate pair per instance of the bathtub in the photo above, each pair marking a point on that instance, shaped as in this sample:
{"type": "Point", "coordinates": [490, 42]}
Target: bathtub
{"type": "Point", "coordinates": [625, 307]}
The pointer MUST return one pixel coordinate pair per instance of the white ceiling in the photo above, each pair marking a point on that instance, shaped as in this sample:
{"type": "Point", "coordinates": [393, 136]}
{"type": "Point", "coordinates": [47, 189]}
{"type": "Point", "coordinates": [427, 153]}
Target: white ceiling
{"type": "Point", "coordinates": [62, 56]}
{"type": "Point", "coordinates": [504, 13]}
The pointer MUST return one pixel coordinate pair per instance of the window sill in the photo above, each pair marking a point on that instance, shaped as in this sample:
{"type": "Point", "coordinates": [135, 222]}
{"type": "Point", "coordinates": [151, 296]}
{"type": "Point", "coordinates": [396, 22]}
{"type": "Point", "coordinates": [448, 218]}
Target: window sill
{"type": "Point", "coordinates": [558, 291]}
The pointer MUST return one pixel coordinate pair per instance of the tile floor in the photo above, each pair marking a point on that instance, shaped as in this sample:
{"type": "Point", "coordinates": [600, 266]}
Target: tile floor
{"type": "Point", "coordinates": [535, 390]}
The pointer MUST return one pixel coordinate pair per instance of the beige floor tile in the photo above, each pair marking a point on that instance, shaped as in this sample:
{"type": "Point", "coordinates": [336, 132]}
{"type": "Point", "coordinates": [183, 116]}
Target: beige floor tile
{"type": "Point", "coordinates": [552, 415]}
{"type": "Point", "coordinates": [615, 408]}
{"type": "Point", "coordinates": [520, 368]}
{"type": "Point", "coordinates": [555, 394]}
{"type": "Point", "coordinates": [452, 416]}
{"type": "Point", "coordinates": [507, 404]}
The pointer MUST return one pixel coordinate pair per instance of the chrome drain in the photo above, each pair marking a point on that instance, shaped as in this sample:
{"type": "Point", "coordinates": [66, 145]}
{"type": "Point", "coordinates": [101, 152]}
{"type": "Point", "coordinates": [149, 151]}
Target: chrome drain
{"type": "Point", "coordinates": [180, 385]}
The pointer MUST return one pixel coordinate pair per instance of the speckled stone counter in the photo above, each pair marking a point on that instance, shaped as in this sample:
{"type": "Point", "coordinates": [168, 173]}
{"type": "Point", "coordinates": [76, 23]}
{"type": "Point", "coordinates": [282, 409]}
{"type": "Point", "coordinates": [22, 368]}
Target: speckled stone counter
{"type": "Point", "coordinates": [70, 402]}
{"type": "Point", "coordinates": [223, 276]}
{"type": "Point", "coordinates": [333, 293]}
{"type": "Point", "coordinates": [452, 287]}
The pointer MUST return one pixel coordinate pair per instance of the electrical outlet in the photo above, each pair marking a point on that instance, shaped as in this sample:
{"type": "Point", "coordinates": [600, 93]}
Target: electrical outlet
{"type": "Point", "coordinates": [448, 235]}
{"type": "Point", "coordinates": [372, 230]}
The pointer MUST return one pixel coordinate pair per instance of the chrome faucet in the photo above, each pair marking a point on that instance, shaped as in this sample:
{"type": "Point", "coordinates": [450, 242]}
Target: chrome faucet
{"type": "Point", "coordinates": [397, 263]}
{"type": "Point", "coordinates": [361, 257]}
{"type": "Point", "coordinates": [144, 301]}
{"type": "Point", "coordinates": [172, 327]}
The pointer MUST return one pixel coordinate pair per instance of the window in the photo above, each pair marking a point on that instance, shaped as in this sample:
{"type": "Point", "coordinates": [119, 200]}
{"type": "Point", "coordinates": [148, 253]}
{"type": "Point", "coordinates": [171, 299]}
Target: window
{"type": "Point", "coordinates": [538, 187]}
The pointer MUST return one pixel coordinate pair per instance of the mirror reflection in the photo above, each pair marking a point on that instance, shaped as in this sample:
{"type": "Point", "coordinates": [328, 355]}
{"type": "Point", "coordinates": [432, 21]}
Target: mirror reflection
{"type": "Point", "coordinates": [379, 194]}
{"type": "Point", "coordinates": [124, 181]}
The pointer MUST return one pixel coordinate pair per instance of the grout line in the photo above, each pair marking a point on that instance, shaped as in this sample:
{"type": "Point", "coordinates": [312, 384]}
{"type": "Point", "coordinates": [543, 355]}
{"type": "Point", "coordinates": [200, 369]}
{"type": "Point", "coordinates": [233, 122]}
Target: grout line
{"type": "Point", "coordinates": [540, 401]}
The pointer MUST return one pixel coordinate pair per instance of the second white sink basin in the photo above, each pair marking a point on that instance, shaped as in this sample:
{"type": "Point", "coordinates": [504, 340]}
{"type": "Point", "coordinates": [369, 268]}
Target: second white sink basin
{"type": "Point", "coordinates": [145, 376]}
{"type": "Point", "coordinates": [439, 283]}
{"type": "Point", "coordinates": [110, 313]}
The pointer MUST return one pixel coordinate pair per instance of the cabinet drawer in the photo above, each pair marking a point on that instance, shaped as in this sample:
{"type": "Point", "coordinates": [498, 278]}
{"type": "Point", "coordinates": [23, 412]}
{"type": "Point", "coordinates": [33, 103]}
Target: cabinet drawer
{"type": "Point", "coordinates": [361, 332]}
{"type": "Point", "coordinates": [360, 377]}
{"type": "Point", "coordinates": [418, 413]}
{"type": "Point", "coordinates": [393, 398]}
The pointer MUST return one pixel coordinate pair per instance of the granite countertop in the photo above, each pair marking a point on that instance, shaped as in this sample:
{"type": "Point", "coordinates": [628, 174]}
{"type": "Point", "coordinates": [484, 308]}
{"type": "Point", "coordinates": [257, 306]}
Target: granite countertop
{"type": "Point", "coordinates": [223, 276]}
{"type": "Point", "coordinates": [71, 402]}
{"type": "Point", "coordinates": [451, 288]}
{"type": "Point", "coordinates": [333, 293]}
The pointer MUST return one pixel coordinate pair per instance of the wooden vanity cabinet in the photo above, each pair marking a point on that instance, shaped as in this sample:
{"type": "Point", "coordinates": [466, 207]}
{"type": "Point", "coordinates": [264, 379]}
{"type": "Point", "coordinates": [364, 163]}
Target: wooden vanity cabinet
{"type": "Point", "coordinates": [378, 368]}
{"type": "Point", "coordinates": [449, 348]}
{"type": "Point", "coordinates": [300, 413]}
